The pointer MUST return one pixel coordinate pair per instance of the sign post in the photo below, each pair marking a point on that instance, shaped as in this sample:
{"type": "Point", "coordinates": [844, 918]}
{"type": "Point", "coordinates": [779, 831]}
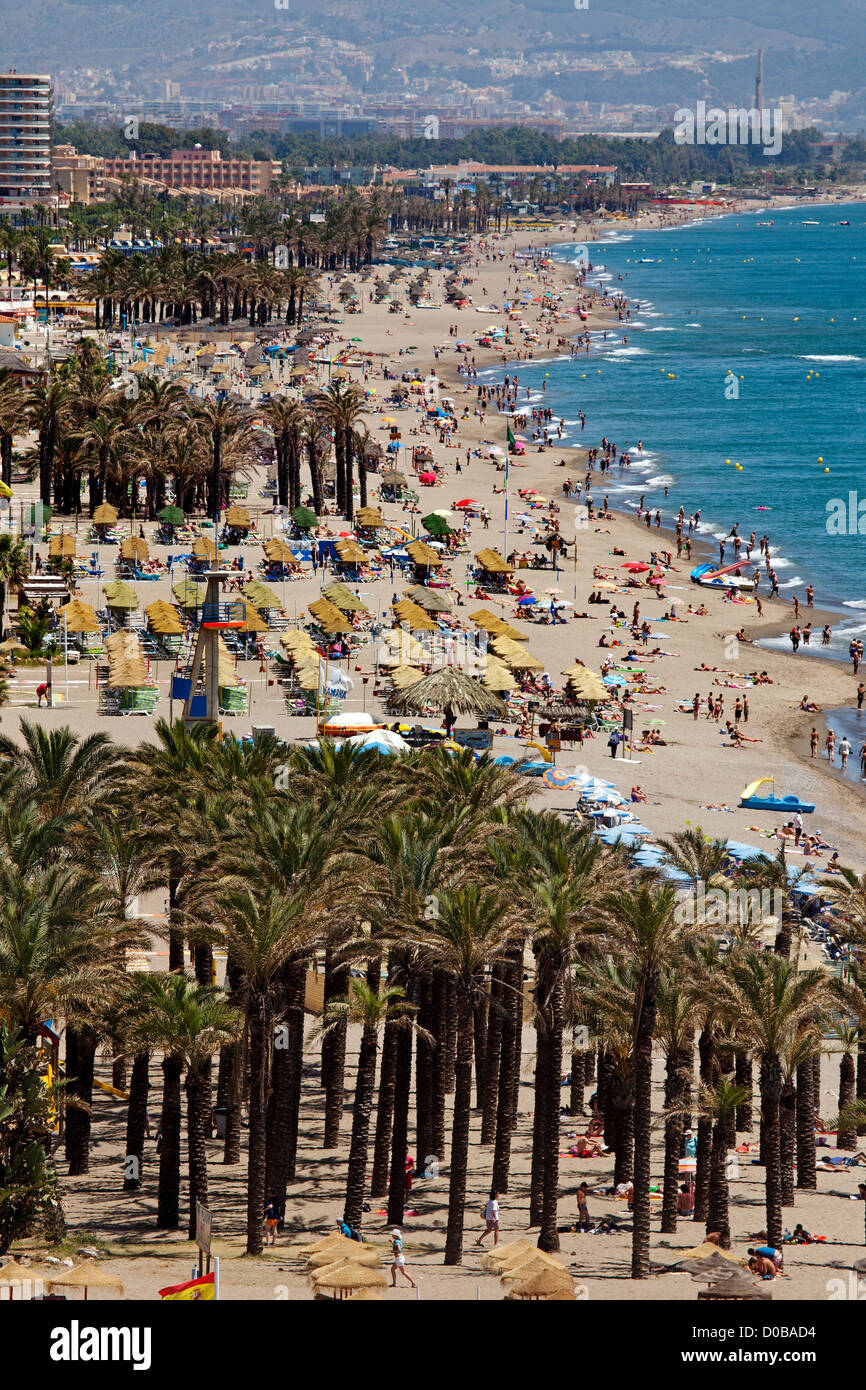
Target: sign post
{"type": "Point", "coordinates": [203, 1220]}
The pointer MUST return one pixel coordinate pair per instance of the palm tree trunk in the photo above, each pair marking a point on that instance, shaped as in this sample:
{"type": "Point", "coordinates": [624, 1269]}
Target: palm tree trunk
{"type": "Point", "coordinates": [743, 1077]}
{"type": "Point", "coordinates": [787, 1136]}
{"type": "Point", "coordinates": [168, 1194]}
{"type": "Point", "coordinates": [861, 1074]}
{"type": "Point", "coordinates": [718, 1201]}
{"type": "Point", "coordinates": [451, 1024]}
{"type": "Point", "coordinates": [256, 1166]}
{"type": "Point", "coordinates": [438, 1027]}
{"type": "Point", "coordinates": [708, 1074]}
{"type": "Point", "coordinates": [539, 1126]}
{"type": "Point", "coordinates": [806, 1104]}
{"type": "Point", "coordinates": [548, 1238]}
{"type": "Point", "coordinates": [78, 1119]}
{"type": "Point", "coordinates": [335, 1041]}
{"type": "Point", "coordinates": [643, 1063]}
{"type": "Point", "coordinates": [676, 1089]}
{"type": "Point", "coordinates": [491, 1057]}
{"type": "Point", "coordinates": [479, 1019]}
{"type": "Point", "coordinates": [771, 1093]}
{"type": "Point", "coordinates": [460, 1130]}
{"type": "Point", "coordinates": [424, 1077]}
{"type": "Point", "coordinates": [359, 1143]}
{"type": "Point", "coordinates": [578, 1082]}
{"type": "Point", "coordinates": [506, 1114]}
{"type": "Point", "coordinates": [384, 1112]}
{"type": "Point", "coordinates": [198, 1098]}
{"type": "Point", "coordinates": [399, 1135]}
{"type": "Point", "coordinates": [846, 1138]}
{"type": "Point", "coordinates": [136, 1121]}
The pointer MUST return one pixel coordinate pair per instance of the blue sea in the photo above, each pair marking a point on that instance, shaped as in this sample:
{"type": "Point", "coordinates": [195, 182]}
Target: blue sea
{"type": "Point", "coordinates": [783, 309]}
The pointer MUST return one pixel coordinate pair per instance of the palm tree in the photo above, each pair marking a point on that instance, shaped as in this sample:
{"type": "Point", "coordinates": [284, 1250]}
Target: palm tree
{"type": "Point", "coordinates": [559, 872]}
{"type": "Point", "coordinates": [340, 407]}
{"type": "Point", "coordinates": [262, 934]}
{"type": "Point", "coordinates": [646, 927]}
{"type": "Point", "coordinates": [372, 1009]}
{"type": "Point", "coordinates": [188, 1022]}
{"type": "Point", "coordinates": [767, 1003]}
{"type": "Point", "coordinates": [719, 1104]}
{"type": "Point", "coordinates": [229, 433]}
{"type": "Point", "coordinates": [63, 771]}
{"type": "Point", "coordinates": [470, 933]}
{"type": "Point", "coordinates": [10, 239]}
{"type": "Point", "coordinates": [677, 1014]}
{"type": "Point", "coordinates": [14, 569]}
{"type": "Point", "coordinates": [13, 419]}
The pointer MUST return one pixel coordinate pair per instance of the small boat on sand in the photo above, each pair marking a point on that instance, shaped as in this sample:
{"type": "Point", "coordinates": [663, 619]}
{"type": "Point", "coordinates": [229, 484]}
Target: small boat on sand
{"type": "Point", "coordinates": [750, 798]}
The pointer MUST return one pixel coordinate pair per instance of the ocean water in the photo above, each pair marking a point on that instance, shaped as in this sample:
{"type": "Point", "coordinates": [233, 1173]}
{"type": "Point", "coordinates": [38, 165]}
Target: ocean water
{"type": "Point", "coordinates": [783, 309]}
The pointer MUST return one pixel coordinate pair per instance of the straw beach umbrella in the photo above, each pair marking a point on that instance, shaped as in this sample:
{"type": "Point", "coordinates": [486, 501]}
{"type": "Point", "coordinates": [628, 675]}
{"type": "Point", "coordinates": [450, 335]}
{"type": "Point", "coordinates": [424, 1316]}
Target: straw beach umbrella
{"type": "Point", "coordinates": [544, 1283]}
{"type": "Point", "coordinates": [345, 1276]}
{"type": "Point", "coordinates": [79, 616]}
{"type": "Point", "coordinates": [87, 1276]}
{"type": "Point", "coordinates": [451, 691]}
{"type": "Point", "coordinates": [134, 548]}
{"type": "Point", "coordinates": [11, 1274]}
{"type": "Point", "coordinates": [105, 515]}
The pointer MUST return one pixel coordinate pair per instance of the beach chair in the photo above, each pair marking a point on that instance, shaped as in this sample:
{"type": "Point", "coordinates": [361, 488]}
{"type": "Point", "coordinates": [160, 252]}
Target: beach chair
{"type": "Point", "coordinates": [234, 700]}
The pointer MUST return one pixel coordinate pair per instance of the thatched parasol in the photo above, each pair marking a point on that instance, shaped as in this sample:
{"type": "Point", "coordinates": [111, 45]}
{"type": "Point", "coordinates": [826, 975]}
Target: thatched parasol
{"type": "Point", "coordinates": [298, 642]}
{"type": "Point", "coordinates": [364, 1296]}
{"type": "Point", "coordinates": [86, 1276]}
{"type": "Point", "coordinates": [350, 552]}
{"type": "Point", "coordinates": [204, 548]}
{"type": "Point", "coordinates": [239, 518]}
{"type": "Point", "coordinates": [370, 518]}
{"type": "Point", "coordinates": [105, 515]}
{"type": "Point", "coordinates": [164, 619]}
{"type": "Point", "coordinates": [404, 676]}
{"type": "Point", "coordinates": [423, 554]}
{"type": "Point", "coordinates": [451, 691]}
{"type": "Point", "coordinates": [711, 1267]}
{"type": "Point", "coordinates": [277, 551]}
{"type": "Point", "coordinates": [328, 616]}
{"type": "Point", "coordinates": [431, 600]}
{"type": "Point", "coordinates": [261, 595]}
{"type": "Point", "coordinates": [493, 562]}
{"type": "Point", "coordinates": [706, 1250]}
{"type": "Point", "coordinates": [392, 477]}
{"type": "Point", "coordinates": [12, 1273]}
{"type": "Point", "coordinates": [544, 1283]}
{"type": "Point", "coordinates": [347, 1275]}
{"type": "Point", "coordinates": [408, 612]}
{"type": "Point", "coordinates": [79, 616]}
{"type": "Point", "coordinates": [134, 548]}
{"type": "Point", "coordinates": [739, 1288]}
{"type": "Point", "coordinates": [355, 1252]}
{"type": "Point", "coordinates": [504, 1254]}
{"type": "Point", "coordinates": [253, 620]}
{"type": "Point", "coordinates": [344, 599]}
{"type": "Point", "coordinates": [120, 595]}
{"type": "Point", "coordinates": [61, 547]}
{"type": "Point", "coordinates": [189, 594]}
{"type": "Point", "coordinates": [496, 675]}
{"type": "Point", "coordinates": [586, 685]}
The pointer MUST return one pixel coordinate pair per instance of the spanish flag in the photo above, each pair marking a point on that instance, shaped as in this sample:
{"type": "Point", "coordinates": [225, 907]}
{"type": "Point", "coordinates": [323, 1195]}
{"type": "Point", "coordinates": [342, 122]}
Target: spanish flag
{"type": "Point", "coordinates": [194, 1289]}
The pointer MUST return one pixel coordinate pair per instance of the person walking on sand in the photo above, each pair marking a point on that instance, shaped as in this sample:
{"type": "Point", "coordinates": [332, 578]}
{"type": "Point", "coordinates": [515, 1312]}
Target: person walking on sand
{"type": "Point", "coordinates": [491, 1217]}
{"type": "Point", "coordinates": [271, 1222]}
{"type": "Point", "coordinates": [583, 1223]}
{"type": "Point", "coordinates": [398, 1259]}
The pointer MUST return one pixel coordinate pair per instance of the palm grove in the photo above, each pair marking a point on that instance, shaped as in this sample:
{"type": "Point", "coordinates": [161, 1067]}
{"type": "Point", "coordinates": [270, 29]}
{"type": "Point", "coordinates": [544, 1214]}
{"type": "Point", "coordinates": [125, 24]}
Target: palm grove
{"type": "Point", "coordinates": [445, 915]}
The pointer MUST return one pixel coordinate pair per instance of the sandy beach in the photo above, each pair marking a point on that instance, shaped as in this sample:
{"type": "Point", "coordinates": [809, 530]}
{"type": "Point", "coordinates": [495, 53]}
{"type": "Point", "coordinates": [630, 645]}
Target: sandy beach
{"type": "Point", "coordinates": [694, 778]}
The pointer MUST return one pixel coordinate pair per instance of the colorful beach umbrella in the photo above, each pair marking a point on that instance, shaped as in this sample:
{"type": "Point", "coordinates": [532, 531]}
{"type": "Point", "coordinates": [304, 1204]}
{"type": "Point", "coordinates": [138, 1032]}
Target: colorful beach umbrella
{"type": "Point", "coordinates": [559, 778]}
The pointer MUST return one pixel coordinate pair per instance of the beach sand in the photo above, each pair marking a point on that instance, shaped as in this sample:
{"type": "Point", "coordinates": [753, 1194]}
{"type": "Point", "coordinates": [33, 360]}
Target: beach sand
{"type": "Point", "coordinates": [683, 780]}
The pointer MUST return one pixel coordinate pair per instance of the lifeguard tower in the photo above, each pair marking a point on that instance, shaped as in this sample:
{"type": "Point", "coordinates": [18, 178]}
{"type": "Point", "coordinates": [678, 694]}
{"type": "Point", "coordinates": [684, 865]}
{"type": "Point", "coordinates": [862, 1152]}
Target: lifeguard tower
{"type": "Point", "coordinates": [204, 706]}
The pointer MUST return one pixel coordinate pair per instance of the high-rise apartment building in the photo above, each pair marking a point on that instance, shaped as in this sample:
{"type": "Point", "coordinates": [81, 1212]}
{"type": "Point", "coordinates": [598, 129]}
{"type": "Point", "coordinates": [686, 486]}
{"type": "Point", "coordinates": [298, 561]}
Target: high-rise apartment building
{"type": "Point", "coordinates": [25, 140]}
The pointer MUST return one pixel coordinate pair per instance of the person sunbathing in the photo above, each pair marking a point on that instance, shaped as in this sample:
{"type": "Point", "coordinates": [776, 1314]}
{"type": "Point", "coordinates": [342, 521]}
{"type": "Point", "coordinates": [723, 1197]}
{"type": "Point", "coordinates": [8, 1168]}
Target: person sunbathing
{"type": "Point", "coordinates": [809, 705]}
{"type": "Point", "coordinates": [587, 1146]}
